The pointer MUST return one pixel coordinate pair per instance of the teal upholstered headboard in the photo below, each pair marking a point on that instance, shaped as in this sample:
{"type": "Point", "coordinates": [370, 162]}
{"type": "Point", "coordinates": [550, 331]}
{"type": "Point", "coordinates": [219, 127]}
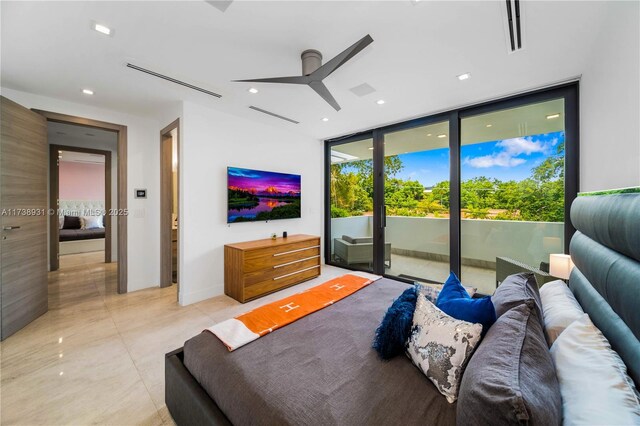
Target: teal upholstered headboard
{"type": "Point", "coordinates": [606, 279]}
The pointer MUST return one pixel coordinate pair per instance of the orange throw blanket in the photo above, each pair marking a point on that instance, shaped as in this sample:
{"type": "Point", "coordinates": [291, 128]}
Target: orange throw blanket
{"type": "Point", "coordinates": [246, 328]}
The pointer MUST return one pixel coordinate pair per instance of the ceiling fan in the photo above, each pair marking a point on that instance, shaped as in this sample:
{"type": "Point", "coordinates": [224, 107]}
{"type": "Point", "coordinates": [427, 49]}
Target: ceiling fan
{"type": "Point", "coordinates": [313, 72]}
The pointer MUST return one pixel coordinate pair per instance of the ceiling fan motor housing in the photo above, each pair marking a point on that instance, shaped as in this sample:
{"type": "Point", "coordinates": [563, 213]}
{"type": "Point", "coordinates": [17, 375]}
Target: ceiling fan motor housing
{"type": "Point", "coordinates": [311, 61]}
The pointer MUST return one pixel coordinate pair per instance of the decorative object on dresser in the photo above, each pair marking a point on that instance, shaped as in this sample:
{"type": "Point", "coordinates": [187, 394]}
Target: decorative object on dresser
{"type": "Point", "coordinates": [255, 268]}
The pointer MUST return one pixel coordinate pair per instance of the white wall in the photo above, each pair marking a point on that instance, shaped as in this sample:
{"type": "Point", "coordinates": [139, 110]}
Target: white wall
{"type": "Point", "coordinates": [143, 171]}
{"type": "Point", "coordinates": [211, 141]}
{"type": "Point", "coordinates": [610, 103]}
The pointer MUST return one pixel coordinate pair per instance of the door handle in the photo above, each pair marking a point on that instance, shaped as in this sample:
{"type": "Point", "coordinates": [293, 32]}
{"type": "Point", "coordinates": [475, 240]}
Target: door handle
{"type": "Point", "coordinates": [9, 228]}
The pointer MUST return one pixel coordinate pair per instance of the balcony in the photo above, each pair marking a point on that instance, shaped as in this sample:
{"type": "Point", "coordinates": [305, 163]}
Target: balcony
{"type": "Point", "coordinates": [420, 245]}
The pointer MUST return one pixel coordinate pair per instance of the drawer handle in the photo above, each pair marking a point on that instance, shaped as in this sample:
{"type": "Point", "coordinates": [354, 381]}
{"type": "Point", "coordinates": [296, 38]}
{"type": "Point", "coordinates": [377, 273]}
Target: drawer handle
{"type": "Point", "coordinates": [295, 251]}
{"type": "Point", "coordinates": [296, 261]}
{"type": "Point", "coordinates": [297, 272]}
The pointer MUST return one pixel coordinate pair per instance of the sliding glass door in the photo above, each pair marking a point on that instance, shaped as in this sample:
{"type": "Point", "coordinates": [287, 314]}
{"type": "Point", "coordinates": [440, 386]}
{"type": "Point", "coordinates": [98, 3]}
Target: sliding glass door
{"type": "Point", "coordinates": [464, 191]}
{"type": "Point", "coordinates": [512, 189]}
{"type": "Point", "coordinates": [350, 182]}
{"type": "Point", "coordinates": [416, 199]}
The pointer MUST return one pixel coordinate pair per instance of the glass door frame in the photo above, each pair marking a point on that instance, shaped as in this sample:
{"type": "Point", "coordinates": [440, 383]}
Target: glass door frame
{"type": "Point", "coordinates": [568, 91]}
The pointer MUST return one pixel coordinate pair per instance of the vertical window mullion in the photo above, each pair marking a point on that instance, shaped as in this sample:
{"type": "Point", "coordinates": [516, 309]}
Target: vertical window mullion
{"type": "Point", "coordinates": [454, 192]}
{"type": "Point", "coordinates": [378, 202]}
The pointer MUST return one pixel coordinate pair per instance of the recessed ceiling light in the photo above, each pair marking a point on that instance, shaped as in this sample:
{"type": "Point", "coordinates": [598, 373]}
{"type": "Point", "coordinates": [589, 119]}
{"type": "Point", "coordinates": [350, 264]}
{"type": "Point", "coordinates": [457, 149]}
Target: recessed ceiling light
{"type": "Point", "coordinates": [325, 119]}
{"type": "Point", "coordinates": [102, 29]}
{"type": "Point", "coordinates": [380, 101]}
{"type": "Point", "coordinates": [371, 148]}
{"type": "Point", "coordinates": [87, 91]}
{"type": "Point", "coordinates": [489, 125]}
{"type": "Point", "coordinates": [552, 116]}
{"type": "Point", "coordinates": [464, 76]}
{"type": "Point", "coordinates": [428, 134]}
{"type": "Point", "coordinates": [253, 90]}
{"type": "Point", "coordinates": [442, 136]}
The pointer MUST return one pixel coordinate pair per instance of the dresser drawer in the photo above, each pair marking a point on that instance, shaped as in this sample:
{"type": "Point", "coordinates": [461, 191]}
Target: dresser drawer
{"type": "Point", "coordinates": [268, 261]}
{"type": "Point", "coordinates": [280, 270]}
{"type": "Point", "coordinates": [263, 287]}
{"type": "Point", "coordinates": [281, 249]}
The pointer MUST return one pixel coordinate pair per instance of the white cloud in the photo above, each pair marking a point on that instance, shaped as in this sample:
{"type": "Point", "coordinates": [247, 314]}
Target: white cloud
{"type": "Point", "coordinates": [527, 146]}
{"type": "Point", "coordinates": [501, 159]}
{"type": "Point", "coordinates": [509, 152]}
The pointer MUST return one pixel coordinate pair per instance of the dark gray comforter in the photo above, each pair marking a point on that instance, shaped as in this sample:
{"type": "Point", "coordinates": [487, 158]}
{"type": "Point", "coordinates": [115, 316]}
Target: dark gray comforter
{"type": "Point", "coordinates": [320, 370]}
{"type": "Point", "coordinates": [81, 234]}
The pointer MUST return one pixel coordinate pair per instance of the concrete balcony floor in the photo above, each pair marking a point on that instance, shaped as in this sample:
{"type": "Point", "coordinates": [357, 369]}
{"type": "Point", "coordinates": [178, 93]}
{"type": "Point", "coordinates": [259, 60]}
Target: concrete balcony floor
{"type": "Point", "coordinates": [483, 279]}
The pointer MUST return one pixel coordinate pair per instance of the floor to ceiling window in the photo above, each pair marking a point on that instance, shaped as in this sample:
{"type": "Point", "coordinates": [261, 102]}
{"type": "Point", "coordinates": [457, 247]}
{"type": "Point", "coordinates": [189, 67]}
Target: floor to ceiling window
{"type": "Point", "coordinates": [511, 188]}
{"type": "Point", "coordinates": [351, 204]}
{"type": "Point", "coordinates": [416, 196]}
{"type": "Point", "coordinates": [456, 191]}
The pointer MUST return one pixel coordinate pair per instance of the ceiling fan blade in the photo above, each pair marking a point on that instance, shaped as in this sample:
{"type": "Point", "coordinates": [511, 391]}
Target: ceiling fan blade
{"type": "Point", "coordinates": [325, 70]}
{"type": "Point", "coordinates": [302, 79]}
{"type": "Point", "coordinates": [322, 90]}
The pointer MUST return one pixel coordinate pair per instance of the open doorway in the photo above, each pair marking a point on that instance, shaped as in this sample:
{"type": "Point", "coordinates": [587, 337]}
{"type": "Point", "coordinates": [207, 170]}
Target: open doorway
{"type": "Point", "coordinates": [169, 205]}
{"type": "Point", "coordinates": [69, 133]}
{"type": "Point", "coordinates": [80, 183]}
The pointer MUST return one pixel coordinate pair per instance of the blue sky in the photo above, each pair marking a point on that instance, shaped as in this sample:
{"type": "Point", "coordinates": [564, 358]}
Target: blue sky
{"type": "Point", "coordinates": [509, 159]}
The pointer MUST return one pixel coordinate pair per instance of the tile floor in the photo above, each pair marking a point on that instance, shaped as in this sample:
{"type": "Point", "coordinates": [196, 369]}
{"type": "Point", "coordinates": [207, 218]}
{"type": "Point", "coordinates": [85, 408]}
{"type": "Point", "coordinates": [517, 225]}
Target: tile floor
{"type": "Point", "coordinates": [98, 357]}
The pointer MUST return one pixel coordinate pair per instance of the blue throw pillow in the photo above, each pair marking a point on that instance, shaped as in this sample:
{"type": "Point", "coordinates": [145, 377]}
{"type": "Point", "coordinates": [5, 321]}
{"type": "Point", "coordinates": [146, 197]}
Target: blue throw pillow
{"type": "Point", "coordinates": [394, 330]}
{"type": "Point", "coordinates": [455, 301]}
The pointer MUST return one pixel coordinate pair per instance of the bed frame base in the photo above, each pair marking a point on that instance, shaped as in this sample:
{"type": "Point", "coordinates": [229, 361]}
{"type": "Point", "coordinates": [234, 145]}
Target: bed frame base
{"type": "Point", "coordinates": [187, 401]}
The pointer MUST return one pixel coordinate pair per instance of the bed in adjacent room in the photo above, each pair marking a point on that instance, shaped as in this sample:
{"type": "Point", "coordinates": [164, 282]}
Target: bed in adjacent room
{"type": "Point", "coordinates": [322, 369]}
{"type": "Point", "coordinates": [81, 226]}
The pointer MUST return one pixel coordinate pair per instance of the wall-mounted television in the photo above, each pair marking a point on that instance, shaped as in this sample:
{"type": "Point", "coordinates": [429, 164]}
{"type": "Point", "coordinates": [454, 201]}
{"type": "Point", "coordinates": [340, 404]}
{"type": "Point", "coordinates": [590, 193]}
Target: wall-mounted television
{"type": "Point", "coordinates": [256, 195]}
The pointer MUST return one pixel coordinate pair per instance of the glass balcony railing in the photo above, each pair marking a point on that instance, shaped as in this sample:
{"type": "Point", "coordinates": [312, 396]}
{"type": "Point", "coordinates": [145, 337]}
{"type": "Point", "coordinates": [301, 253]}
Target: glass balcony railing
{"type": "Point", "coordinates": [421, 245]}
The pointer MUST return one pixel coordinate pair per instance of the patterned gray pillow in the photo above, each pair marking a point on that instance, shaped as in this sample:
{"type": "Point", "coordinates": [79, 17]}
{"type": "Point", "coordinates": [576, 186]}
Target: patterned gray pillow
{"type": "Point", "coordinates": [440, 346]}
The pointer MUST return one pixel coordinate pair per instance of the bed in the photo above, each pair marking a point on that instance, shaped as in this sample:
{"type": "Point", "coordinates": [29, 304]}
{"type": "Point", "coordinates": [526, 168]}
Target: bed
{"type": "Point", "coordinates": [322, 370]}
{"type": "Point", "coordinates": [74, 241]}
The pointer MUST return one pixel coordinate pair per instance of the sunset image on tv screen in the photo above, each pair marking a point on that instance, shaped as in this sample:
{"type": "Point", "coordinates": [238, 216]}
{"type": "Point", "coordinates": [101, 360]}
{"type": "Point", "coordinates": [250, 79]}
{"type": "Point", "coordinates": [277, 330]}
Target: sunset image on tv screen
{"type": "Point", "coordinates": [259, 195]}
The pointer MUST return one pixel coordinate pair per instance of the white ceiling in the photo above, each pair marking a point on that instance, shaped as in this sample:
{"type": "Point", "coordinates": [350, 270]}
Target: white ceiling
{"type": "Point", "coordinates": [70, 134]}
{"type": "Point", "coordinates": [419, 47]}
{"type": "Point", "coordinates": [80, 157]}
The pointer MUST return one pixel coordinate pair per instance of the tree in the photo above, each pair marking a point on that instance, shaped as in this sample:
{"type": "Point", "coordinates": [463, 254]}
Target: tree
{"type": "Point", "coordinates": [552, 167]}
{"type": "Point", "coordinates": [537, 198]}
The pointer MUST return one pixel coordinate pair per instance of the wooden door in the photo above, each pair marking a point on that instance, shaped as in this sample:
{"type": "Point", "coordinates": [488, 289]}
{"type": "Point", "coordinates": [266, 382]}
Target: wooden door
{"type": "Point", "coordinates": [168, 235]}
{"type": "Point", "coordinates": [166, 203]}
{"type": "Point", "coordinates": [23, 204]}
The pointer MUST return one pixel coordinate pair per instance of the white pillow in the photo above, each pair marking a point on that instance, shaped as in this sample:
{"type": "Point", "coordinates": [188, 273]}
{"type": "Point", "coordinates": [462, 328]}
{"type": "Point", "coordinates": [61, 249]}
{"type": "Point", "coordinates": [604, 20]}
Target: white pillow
{"type": "Point", "coordinates": [594, 384]}
{"type": "Point", "coordinates": [60, 222]}
{"type": "Point", "coordinates": [440, 346]}
{"type": "Point", "coordinates": [559, 308]}
{"type": "Point", "coordinates": [91, 222]}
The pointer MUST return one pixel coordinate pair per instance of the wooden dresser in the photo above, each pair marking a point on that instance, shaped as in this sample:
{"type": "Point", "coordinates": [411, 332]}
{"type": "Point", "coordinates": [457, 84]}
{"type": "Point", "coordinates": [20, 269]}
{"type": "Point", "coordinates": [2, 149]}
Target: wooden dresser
{"type": "Point", "coordinates": [255, 268]}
